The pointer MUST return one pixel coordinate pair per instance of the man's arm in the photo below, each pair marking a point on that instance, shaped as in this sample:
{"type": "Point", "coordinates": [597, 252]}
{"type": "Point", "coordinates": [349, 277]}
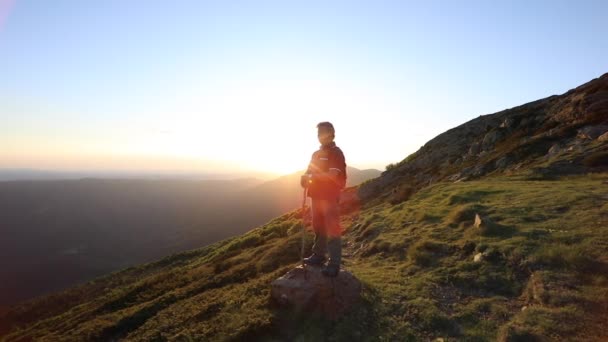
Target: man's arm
{"type": "Point", "coordinates": [309, 176]}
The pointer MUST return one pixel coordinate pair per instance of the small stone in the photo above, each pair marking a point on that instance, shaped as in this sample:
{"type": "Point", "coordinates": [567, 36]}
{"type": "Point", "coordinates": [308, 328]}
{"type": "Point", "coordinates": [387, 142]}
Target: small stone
{"type": "Point", "coordinates": [555, 149]}
{"type": "Point", "coordinates": [478, 257]}
{"type": "Point", "coordinates": [454, 177]}
{"type": "Point", "coordinates": [478, 221]}
{"type": "Point", "coordinates": [523, 308]}
{"type": "Point", "coordinates": [507, 123]}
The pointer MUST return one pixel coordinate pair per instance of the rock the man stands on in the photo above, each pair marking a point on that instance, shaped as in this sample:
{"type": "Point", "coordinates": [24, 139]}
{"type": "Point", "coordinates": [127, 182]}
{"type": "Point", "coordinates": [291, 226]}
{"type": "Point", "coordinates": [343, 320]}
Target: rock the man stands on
{"type": "Point", "coordinates": [325, 178]}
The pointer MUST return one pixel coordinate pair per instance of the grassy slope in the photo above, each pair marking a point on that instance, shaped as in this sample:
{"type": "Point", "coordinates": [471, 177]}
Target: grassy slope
{"type": "Point", "coordinates": [546, 250]}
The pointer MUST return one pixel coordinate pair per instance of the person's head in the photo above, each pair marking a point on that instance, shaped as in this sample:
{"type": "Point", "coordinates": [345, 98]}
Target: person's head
{"type": "Point", "coordinates": [325, 132]}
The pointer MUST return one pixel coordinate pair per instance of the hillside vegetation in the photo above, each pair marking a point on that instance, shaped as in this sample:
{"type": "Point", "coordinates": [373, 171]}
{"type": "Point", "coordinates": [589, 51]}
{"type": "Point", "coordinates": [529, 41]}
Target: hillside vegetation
{"type": "Point", "coordinates": [494, 230]}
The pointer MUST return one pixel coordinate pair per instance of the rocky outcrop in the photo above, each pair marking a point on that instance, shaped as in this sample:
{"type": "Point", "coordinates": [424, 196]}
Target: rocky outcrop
{"type": "Point", "coordinates": [592, 132]}
{"type": "Point", "coordinates": [548, 130]}
{"type": "Point", "coordinates": [491, 138]}
{"type": "Point", "coordinates": [308, 289]}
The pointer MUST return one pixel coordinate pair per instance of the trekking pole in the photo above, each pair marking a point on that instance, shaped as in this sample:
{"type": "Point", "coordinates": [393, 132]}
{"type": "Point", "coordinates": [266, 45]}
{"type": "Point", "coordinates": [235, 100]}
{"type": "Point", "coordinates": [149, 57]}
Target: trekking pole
{"type": "Point", "coordinates": [303, 231]}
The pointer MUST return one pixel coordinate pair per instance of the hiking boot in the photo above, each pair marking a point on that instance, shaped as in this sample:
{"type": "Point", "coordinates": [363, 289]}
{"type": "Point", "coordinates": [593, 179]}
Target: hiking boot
{"type": "Point", "coordinates": [334, 247]}
{"type": "Point", "coordinates": [331, 270]}
{"type": "Point", "coordinates": [315, 260]}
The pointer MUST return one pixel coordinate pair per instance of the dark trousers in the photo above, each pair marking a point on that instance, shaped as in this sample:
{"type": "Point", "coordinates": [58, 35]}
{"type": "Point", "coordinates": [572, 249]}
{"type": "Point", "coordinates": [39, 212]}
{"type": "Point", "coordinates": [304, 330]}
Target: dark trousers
{"type": "Point", "coordinates": [326, 225]}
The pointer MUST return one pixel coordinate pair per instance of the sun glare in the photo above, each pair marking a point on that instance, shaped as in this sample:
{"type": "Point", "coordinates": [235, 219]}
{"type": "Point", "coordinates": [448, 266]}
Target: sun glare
{"type": "Point", "coordinates": [264, 125]}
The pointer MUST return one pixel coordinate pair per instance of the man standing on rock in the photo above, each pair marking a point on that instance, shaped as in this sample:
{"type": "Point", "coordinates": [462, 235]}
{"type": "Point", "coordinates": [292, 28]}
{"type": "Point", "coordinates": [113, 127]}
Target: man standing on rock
{"type": "Point", "coordinates": [325, 178]}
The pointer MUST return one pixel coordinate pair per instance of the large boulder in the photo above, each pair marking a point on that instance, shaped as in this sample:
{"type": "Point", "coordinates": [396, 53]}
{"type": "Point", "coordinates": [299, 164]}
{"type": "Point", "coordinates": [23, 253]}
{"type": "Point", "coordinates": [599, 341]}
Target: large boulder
{"type": "Point", "coordinates": [309, 289]}
{"type": "Point", "coordinates": [475, 148]}
{"type": "Point", "coordinates": [490, 139]}
{"type": "Point", "coordinates": [502, 162]}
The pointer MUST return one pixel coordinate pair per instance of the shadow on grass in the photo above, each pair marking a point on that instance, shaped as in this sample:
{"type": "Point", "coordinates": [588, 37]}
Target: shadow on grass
{"type": "Point", "coordinates": [494, 229]}
{"type": "Point", "coordinates": [134, 320]}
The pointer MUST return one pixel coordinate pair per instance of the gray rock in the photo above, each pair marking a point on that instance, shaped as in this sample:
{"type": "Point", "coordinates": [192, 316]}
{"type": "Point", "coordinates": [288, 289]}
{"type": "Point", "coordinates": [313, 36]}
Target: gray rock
{"type": "Point", "coordinates": [491, 138]}
{"type": "Point", "coordinates": [507, 123]}
{"type": "Point", "coordinates": [466, 171]}
{"type": "Point", "coordinates": [592, 132]}
{"type": "Point", "coordinates": [475, 149]}
{"type": "Point", "coordinates": [577, 147]}
{"type": "Point", "coordinates": [479, 170]}
{"type": "Point", "coordinates": [552, 132]}
{"type": "Point", "coordinates": [555, 149]}
{"type": "Point", "coordinates": [308, 289]}
{"type": "Point", "coordinates": [454, 177]}
{"type": "Point", "coordinates": [502, 162]}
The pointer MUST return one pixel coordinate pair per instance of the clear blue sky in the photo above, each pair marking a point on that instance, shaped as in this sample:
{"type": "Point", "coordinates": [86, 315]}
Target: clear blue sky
{"type": "Point", "coordinates": [215, 84]}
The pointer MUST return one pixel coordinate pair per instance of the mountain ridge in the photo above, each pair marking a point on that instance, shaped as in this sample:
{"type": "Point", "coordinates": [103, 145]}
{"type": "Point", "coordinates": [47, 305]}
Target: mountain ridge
{"type": "Point", "coordinates": [468, 150]}
{"type": "Point", "coordinates": [493, 230]}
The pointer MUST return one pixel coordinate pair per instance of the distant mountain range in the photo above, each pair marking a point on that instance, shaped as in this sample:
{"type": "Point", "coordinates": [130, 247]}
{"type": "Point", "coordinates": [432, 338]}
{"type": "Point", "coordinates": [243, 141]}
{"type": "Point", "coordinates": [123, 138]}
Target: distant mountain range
{"type": "Point", "coordinates": [9, 174]}
{"type": "Point", "coordinates": [57, 233]}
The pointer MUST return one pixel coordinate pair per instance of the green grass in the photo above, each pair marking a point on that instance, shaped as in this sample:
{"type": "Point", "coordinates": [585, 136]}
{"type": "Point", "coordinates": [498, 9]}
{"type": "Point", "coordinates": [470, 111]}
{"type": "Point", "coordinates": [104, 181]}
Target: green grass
{"type": "Point", "coordinates": [545, 249]}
